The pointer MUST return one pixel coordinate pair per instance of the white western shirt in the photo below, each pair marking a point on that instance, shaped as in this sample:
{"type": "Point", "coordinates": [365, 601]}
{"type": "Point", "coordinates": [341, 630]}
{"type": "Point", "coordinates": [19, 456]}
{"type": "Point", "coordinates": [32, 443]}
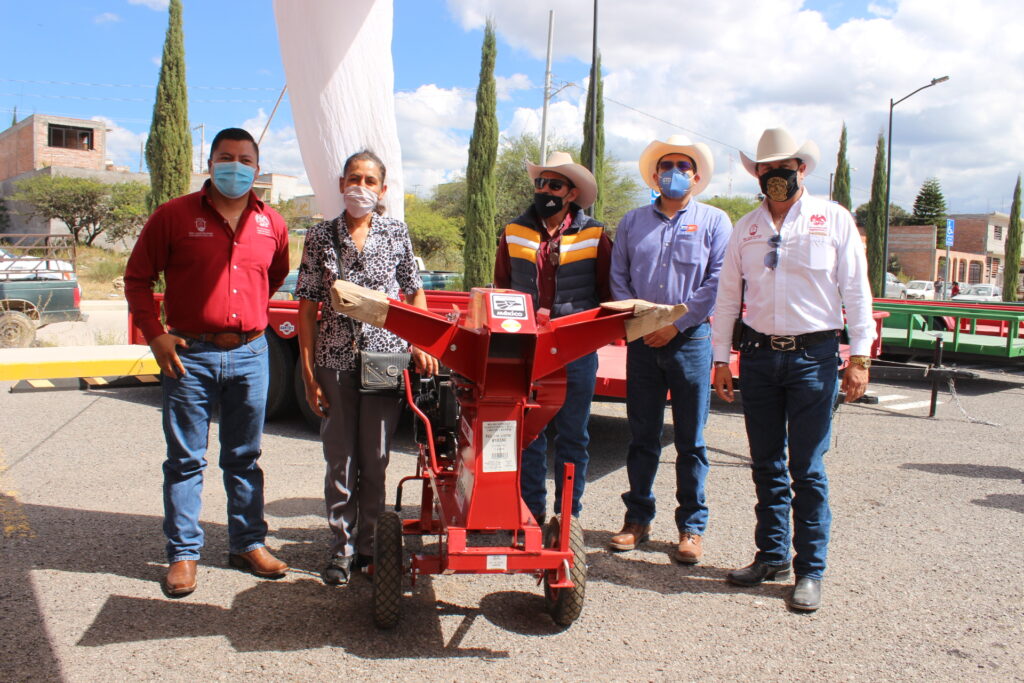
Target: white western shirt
{"type": "Point", "coordinates": [821, 268]}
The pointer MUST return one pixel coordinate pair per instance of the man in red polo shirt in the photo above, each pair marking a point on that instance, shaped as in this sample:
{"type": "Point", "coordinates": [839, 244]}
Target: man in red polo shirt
{"type": "Point", "coordinates": [223, 253]}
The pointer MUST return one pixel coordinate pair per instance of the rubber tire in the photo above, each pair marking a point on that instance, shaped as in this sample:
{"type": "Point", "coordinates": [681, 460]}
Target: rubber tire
{"type": "Point", "coordinates": [565, 604]}
{"type": "Point", "coordinates": [281, 380]}
{"type": "Point", "coordinates": [312, 419]}
{"type": "Point", "coordinates": [387, 570]}
{"type": "Point", "coordinates": [17, 331]}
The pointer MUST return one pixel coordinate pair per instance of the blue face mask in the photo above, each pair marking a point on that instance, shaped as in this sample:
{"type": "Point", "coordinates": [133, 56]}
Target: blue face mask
{"type": "Point", "coordinates": [233, 178]}
{"type": "Point", "coordinates": [674, 183]}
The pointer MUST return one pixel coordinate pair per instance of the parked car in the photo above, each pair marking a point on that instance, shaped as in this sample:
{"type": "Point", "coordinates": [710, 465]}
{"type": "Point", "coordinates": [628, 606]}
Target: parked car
{"type": "Point", "coordinates": [979, 293]}
{"type": "Point", "coordinates": [921, 289]}
{"type": "Point", "coordinates": [18, 267]}
{"type": "Point", "coordinates": [894, 289]}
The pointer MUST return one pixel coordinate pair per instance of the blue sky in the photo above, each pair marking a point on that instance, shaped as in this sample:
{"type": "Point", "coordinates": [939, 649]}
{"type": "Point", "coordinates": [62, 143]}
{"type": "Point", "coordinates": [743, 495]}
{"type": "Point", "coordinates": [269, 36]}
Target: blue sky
{"type": "Point", "coordinates": [719, 70]}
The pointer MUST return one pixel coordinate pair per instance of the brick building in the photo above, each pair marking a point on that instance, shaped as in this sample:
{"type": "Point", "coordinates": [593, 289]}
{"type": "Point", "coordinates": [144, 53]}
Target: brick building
{"type": "Point", "coordinates": [41, 141]}
{"type": "Point", "coordinates": [920, 259]}
{"type": "Point", "coordinates": [982, 233]}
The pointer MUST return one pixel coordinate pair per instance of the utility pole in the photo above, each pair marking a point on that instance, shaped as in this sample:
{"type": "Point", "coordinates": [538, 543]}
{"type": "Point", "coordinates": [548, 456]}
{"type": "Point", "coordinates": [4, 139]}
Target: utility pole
{"type": "Point", "coordinates": [593, 86]}
{"type": "Point", "coordinates": [547, 91]}
{"type": "Point", "coordinates": [202, 143]}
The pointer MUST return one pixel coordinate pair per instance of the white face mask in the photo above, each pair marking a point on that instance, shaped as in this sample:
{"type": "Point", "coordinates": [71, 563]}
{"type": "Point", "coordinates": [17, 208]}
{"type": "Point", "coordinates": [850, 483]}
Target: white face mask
{"type": "Point", "coordinates": [360, 200]}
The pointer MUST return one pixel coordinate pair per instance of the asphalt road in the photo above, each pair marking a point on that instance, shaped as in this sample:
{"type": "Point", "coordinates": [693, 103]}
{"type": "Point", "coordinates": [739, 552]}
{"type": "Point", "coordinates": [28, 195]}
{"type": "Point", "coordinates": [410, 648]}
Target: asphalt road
{"type": "Point", "coordinates": [924, 584]}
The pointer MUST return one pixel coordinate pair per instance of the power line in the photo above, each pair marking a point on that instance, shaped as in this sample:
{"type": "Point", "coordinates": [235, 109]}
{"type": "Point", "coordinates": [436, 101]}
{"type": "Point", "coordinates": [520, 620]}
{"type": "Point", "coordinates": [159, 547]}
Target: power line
{"type": "Point", "coordinates": [126, 85]}
{"type": "Point", "coordinates": [145, 100]}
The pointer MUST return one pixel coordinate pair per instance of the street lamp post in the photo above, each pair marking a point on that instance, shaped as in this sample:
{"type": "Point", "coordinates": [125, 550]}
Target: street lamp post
{"type": "Point", "coordinates": [888, 183]}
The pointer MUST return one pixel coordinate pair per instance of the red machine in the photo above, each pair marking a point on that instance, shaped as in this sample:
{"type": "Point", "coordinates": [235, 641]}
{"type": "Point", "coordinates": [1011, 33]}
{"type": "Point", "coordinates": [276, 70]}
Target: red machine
{"type": "Point", "coordinates": [507, 382]}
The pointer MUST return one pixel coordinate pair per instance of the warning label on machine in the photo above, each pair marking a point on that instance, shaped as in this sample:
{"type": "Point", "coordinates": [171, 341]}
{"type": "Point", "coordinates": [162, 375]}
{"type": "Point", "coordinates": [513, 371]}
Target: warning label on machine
{"type": "Point", "coordinates": [499, 446]}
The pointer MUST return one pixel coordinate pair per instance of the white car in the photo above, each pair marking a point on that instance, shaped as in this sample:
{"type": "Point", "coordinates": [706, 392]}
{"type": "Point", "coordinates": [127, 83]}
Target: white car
{"type": "Point", "coordinates": [921, 289]}
{"type": "Point", "coordinates": [13, 267]}
{"type": "Point", "coordinates": [979, 293]}
{"type": "Point", "coordinates": [894, 289]}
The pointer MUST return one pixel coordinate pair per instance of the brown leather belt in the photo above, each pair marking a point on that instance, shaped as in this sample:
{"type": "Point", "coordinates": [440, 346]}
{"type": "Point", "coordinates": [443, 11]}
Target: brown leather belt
{"type": "Point", "coordinates": [226, 341]}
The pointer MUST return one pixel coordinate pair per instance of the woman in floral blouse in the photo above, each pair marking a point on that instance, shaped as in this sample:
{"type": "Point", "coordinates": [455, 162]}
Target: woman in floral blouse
{"type": "Point", "coordinates": [356, 429]}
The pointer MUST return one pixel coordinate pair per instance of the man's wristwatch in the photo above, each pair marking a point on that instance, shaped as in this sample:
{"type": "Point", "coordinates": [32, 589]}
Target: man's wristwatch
{"type": "Point", "coordinates": [863, 361]}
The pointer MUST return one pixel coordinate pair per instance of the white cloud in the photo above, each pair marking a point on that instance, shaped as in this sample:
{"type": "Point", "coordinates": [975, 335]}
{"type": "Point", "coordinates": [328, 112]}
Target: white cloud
{"type": "Point", "coordinates": [106, 18]}
{"type": "Point", "coordinates": [122, 145]}
{"type": "Point", "coordinates": [746, 66]}
{"type": "Point", "coordinates": [279, 149]}
{"type": "Point", "coordinates": [506, 85]}
{"type": "Point", "coordinates": [157, 5]}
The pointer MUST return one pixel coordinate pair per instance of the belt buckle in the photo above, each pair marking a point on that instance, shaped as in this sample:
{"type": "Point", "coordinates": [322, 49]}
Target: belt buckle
{"type": "Point", "coordinates": [220, 340]}
{"type": "Point", "coordinates": [783, 343]}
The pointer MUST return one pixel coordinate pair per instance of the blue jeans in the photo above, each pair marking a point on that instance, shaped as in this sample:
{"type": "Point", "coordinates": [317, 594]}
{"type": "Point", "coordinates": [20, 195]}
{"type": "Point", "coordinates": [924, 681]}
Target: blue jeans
{"type": "Point", "coordinates": [236, 382]}
{"type": "Point", "coordinates": [788, 399]}
{"type": "Point", "coordinates": [571, 441]}
{"type": "Point", "coordinates": [683, 366]}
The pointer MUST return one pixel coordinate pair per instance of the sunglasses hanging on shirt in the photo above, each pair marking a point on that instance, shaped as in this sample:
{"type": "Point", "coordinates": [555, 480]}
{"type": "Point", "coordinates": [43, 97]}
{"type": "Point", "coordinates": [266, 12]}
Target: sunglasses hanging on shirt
{"type": "Point", "coordinates": [771, 259]}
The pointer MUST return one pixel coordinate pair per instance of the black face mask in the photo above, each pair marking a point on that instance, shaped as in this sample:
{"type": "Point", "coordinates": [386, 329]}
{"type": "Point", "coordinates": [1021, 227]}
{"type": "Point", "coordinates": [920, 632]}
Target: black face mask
{"type": "Point", "coordinates": [547, 205]}
{"type": "Point", "coordinates": [779, 184]}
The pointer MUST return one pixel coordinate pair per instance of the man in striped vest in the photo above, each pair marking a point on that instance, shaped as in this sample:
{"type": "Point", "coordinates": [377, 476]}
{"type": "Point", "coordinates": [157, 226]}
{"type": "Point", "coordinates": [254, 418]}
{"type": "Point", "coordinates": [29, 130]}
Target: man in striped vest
{"type": "Point", "coordinates": [560, 256]}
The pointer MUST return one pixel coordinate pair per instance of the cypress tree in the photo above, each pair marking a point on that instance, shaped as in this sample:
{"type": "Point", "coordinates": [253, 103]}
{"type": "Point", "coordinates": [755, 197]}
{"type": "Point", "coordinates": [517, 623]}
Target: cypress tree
{"type": "Point", "coordinates": [14, 117]}
{"type": "Point", "coordinates": [1011, 267]}
{"type": "Point", "coordinates": [875, 224]}
{"type": "Point", "coordinates": [480, 233]}
{"type": "Point", "coordinates": [841, 186]}
{"type": "Point", "coordinates": [589, 141]}
{"type": "Point", "coordinates": [169, 146]}
{"type": "Point", "coordinates": [930, 209]}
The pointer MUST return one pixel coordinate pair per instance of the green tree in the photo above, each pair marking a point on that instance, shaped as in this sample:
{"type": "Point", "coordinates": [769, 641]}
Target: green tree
{"type": "Point", "coordinates": [1011, 267]}
{"type": "Point", "coordinates": [736, 206]}
{"type": "Point", "coordinates": [841, 186]}
{"type": "Point", "coordinates": [128, 210]}
{"type": "Point", "coordinates": [85, 205]}
{"type": "Point", "coordinates": [294, 216]}
{"type": "Point", "coordinates": [593, 145]}
{"type": "Point", "coordinates": [930, 209]}
{"type": "Point", "coordinates": [169, 146]}
{"type": "Point", "coordinates": [5, 217]}
{"type": "Point", "coordinates": [14, 117]}
{"type": "Point", "coordinates": [875, 223]}
{"type": "Point", "coordinates": [897, 214]}
{"type": "Point", "coordinates": [436, 238]}
{"type": "Point", "coordinates": [479, 246]}
{"type": "Point", "coordinates": [449, 200]}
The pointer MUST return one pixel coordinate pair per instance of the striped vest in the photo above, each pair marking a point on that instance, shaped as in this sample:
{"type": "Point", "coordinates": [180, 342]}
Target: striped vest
{"type": "Point", "coordinates": [576, 275]}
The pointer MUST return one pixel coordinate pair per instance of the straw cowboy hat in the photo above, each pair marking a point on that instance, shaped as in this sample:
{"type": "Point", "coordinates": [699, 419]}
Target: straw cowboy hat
{"type": "Point", "coordinates": [562, 163]}
{"type": "Point", "coordinates": [777, 144]}
{"type": "Point", "coordinates": [678, 144]}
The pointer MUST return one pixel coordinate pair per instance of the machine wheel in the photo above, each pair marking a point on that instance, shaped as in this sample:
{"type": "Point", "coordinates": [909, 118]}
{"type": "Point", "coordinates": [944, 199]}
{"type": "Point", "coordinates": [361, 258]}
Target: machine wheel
{"type": "Point", "coordinates": [387, 570]}
{"type": "Point", "coordinates": [312, 419]}
{"type": "Point", "coordinates": [16, 330]}
{"type": "Point", "coordinates": [565, 604]}
{"type": "Point", "coordinates": [280, 384]}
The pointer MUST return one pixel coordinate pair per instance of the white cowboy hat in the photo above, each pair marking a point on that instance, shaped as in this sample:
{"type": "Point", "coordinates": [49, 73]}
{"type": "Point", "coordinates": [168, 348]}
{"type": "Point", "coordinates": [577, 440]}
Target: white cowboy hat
{"type": "Point", "coordinates": [678, 144]}
{"type": "Point", "coordinates": [562, 164]}
{"type": "Point", "coordinates": [777, 144]}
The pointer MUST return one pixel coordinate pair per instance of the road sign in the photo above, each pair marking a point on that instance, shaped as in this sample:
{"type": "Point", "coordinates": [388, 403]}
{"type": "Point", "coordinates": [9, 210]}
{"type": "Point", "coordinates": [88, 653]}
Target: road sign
{"type": "Point", "coordinates": [949, 232]}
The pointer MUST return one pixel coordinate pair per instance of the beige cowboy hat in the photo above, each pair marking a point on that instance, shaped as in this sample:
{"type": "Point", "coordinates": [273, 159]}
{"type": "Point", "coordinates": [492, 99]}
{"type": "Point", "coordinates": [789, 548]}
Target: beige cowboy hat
{"type": "Point", "coordinates": [562, 164]}
{"type": "Point", "coordinates": [678, 144]}
{"type": "Point", "coordinates": [777, 144]}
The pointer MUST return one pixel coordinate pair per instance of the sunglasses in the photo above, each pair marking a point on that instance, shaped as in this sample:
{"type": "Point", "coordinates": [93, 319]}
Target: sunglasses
{"type": "Point", "coordinates": [771, 259]}
{"type": "Point", "coordinates": [554, 183]}
{"type": "Point", "coordinates": [683, 166]}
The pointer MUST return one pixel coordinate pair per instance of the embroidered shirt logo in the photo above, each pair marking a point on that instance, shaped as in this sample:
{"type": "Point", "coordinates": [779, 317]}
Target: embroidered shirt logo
{"type": "Point", "coordinates": [200, 224]}
{"type": "Point", "coordinates": [200, 230]}
{"type": "Point", "coordinates": [817, 220]}
{"type": "Point", "coordinates": [753, 229]}
{"type": "Point", "coordinates": [262, 221]}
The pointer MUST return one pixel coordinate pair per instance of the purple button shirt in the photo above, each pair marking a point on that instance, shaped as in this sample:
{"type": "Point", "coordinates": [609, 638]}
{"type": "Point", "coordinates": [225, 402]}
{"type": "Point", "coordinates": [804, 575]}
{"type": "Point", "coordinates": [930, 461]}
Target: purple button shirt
{"type": "Point", "coordinates": [671, 260]}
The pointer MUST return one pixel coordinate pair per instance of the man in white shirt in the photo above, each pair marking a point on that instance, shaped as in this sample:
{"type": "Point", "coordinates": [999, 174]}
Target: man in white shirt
{"type": "Point", "coordinates": [801, 261]}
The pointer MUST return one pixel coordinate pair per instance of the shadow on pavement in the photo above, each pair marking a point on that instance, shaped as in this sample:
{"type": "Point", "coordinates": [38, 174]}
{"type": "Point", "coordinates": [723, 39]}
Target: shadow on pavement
{"type": "Point", "coordinates": [967, 470]}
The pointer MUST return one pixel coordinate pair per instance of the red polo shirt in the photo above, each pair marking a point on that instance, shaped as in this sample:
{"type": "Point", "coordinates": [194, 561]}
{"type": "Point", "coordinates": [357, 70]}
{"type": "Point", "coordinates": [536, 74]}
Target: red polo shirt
{"type": "Point", "coordinates": [217, 281]}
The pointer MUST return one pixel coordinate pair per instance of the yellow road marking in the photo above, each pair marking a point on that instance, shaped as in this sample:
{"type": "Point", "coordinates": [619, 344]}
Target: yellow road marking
{"type": "Point", "coordinates": [13, 520]}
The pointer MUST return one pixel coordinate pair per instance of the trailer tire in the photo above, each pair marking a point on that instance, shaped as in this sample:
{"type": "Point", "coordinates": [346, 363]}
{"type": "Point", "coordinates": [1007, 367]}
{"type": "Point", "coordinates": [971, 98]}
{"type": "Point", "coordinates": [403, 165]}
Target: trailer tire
{"type": "Point", "coordinates": [565, 604]}
{"type": "Point", "coordinates": [387, 570]}
{"type": "Point", "coordinates": [312, 419]}
{"type": "Point", "coordinates": [17, 331]}
{"type": "Point", "coordinates": [280, 381]}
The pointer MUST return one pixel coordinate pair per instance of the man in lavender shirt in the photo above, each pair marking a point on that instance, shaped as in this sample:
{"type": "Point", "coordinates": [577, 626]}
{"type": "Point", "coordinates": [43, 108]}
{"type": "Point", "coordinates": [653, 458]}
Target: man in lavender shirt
{"type": "Point", "coordinates": [670, 252]}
